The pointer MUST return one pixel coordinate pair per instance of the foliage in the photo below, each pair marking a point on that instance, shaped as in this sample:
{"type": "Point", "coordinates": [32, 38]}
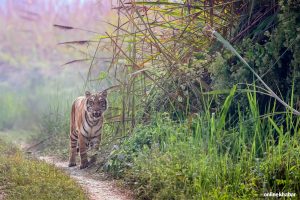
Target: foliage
{"type": "Point", "coordinates": [211, 156]}
{"type": "Point", "coordinates": [155, 134]}
{"type": "Point", "coordinates": [164, 59]}
{"type": "Point", "coordinates": [275, 57]}
{"type": "Point", "coordinates": [167, 59]}
{"type": "Point", "coordinates": [22, 178]}
{"type": "Point", "coordinates": [154, 46]}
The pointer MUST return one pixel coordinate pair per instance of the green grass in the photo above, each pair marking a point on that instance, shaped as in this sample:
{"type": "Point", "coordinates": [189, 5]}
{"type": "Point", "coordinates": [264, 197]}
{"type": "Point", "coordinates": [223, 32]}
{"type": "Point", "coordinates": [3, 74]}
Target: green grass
{"type": "Point", "coordinates": [22, 178]}
{"type": "Point", "coordinates": [212, 156]}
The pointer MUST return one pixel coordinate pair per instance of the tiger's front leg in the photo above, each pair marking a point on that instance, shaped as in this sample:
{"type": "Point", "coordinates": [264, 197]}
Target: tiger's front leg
{"type": "Point", "coordinates": [73, 148]}
{"type": "Point", "coordinates": [95, 147]}
{"type": "Point", "coordinates": [83, 152]}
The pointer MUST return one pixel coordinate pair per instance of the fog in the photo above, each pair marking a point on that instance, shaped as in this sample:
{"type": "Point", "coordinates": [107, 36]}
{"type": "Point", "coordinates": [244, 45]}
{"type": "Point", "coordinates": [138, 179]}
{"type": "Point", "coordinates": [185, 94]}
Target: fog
{"type": "Point", "coordinates": [33, 78]}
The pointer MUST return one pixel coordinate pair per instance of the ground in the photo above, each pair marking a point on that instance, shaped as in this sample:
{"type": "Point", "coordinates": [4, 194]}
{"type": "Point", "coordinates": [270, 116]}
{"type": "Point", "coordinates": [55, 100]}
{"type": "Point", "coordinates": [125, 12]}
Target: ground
{"type": "Point", "coordinates": [96, 185]}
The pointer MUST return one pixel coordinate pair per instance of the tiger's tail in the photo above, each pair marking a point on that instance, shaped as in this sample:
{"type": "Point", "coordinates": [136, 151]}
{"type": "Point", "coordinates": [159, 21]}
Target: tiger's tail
{"type": "Point", "coordinates": [72, 119]}
{"type": "Point", "coordinates": [73, 132]}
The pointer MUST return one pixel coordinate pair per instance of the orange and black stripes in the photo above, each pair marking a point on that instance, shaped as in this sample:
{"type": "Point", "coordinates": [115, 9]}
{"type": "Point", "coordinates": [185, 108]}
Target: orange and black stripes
{"type": "Point", "coordinates": [85, 125]}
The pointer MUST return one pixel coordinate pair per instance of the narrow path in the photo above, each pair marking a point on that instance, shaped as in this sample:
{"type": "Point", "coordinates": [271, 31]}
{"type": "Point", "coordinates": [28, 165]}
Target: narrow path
{"type": "Point", "coordinates": [94, 184]}
{"type": "Point", "coordinates": [2, 195]}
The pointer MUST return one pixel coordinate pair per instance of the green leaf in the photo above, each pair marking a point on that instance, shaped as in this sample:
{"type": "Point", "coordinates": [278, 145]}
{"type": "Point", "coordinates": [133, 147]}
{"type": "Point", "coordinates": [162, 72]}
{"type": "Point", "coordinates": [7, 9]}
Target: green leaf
{"type": "Point", "coordinates": [275, 125]}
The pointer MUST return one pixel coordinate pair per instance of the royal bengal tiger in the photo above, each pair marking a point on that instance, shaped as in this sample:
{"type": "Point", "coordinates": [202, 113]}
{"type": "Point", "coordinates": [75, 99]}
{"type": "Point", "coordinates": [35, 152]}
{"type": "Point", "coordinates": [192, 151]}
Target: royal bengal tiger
{"type": "Point", "coordinates": [85, 125]}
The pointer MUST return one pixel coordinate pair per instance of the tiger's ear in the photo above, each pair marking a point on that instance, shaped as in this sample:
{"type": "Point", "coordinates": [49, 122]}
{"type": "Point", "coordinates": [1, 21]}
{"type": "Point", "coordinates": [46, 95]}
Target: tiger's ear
{"type": "Point", "coordinates": [87, 94]}
{"type": "Point", "coordinates": [104, 93]}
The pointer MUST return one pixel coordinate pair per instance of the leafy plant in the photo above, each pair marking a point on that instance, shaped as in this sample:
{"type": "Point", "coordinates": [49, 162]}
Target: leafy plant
{"type": "Point", "coordinates": [274, 58]}
{"type": "Point", "coordinates": [207, 158]}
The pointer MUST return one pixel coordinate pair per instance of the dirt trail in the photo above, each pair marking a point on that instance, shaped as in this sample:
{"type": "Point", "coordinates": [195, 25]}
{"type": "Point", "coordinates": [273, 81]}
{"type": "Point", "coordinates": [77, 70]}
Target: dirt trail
{"type": "Point", "coordinates": [95, 184]}
{"type": "Point", "coordinates": [96, 187]}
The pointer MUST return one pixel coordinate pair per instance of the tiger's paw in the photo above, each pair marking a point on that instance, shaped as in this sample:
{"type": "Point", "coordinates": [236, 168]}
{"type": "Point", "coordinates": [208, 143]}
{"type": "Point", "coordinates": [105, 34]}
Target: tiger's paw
{"type": "Point", "coordinates": [72, 164]}
{"type": "Point", "coordinates": [84, 165]}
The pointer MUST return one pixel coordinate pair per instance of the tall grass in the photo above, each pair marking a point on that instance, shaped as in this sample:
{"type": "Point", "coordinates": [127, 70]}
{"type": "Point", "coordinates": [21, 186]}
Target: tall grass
{"type": "Point", "coordinates": [160, 54]}
{"type": "Point", "coordinates": [211, 156]}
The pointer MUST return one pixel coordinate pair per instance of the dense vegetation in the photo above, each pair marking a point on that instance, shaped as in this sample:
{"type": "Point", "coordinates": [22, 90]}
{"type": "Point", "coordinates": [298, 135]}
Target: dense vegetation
{"type": "Point", "coordinates": [207, 157]}
{"type": "Point", "coordinates": [198, 123]}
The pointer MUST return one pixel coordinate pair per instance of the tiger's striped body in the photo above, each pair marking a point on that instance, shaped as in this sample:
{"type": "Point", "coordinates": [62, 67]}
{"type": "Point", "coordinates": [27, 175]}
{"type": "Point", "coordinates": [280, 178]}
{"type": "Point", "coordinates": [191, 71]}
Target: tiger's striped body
{"type": "Point", "coordinates": [85, 125]}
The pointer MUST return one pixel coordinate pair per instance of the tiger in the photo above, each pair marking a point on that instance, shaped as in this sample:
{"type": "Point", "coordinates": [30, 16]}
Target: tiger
{"type": "Point", "coordinates": [86, 123]}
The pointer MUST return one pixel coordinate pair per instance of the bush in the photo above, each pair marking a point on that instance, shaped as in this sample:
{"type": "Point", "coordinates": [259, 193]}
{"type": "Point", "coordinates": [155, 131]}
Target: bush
{"type": "Point", "coordinates": [144, 137]}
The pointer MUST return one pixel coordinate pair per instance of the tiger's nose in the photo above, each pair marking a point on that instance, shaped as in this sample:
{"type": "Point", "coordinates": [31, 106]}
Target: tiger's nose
{"type": "Point", "coordinates": [96, 114]}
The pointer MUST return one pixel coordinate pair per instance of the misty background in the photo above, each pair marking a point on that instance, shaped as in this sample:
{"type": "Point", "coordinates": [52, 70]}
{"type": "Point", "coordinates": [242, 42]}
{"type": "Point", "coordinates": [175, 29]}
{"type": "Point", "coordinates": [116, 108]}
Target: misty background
{"type": "Point", "coordinates": [34, 82]}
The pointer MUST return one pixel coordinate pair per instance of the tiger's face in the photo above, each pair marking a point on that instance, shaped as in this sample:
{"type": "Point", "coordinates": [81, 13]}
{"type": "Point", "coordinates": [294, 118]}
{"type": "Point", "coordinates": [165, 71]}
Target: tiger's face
{"type": "Point", "coordinates": [96, 104]}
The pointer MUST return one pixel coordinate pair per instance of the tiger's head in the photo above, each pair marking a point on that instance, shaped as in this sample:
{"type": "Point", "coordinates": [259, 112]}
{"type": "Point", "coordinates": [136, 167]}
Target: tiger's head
{"type": "Point", "coordinates": [96, 104]}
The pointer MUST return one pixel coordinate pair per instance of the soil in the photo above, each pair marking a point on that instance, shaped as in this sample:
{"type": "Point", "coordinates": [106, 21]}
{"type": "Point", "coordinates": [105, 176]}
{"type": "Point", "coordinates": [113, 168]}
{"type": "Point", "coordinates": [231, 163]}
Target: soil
{"type": "Point", "coordinates": [2, 195]}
